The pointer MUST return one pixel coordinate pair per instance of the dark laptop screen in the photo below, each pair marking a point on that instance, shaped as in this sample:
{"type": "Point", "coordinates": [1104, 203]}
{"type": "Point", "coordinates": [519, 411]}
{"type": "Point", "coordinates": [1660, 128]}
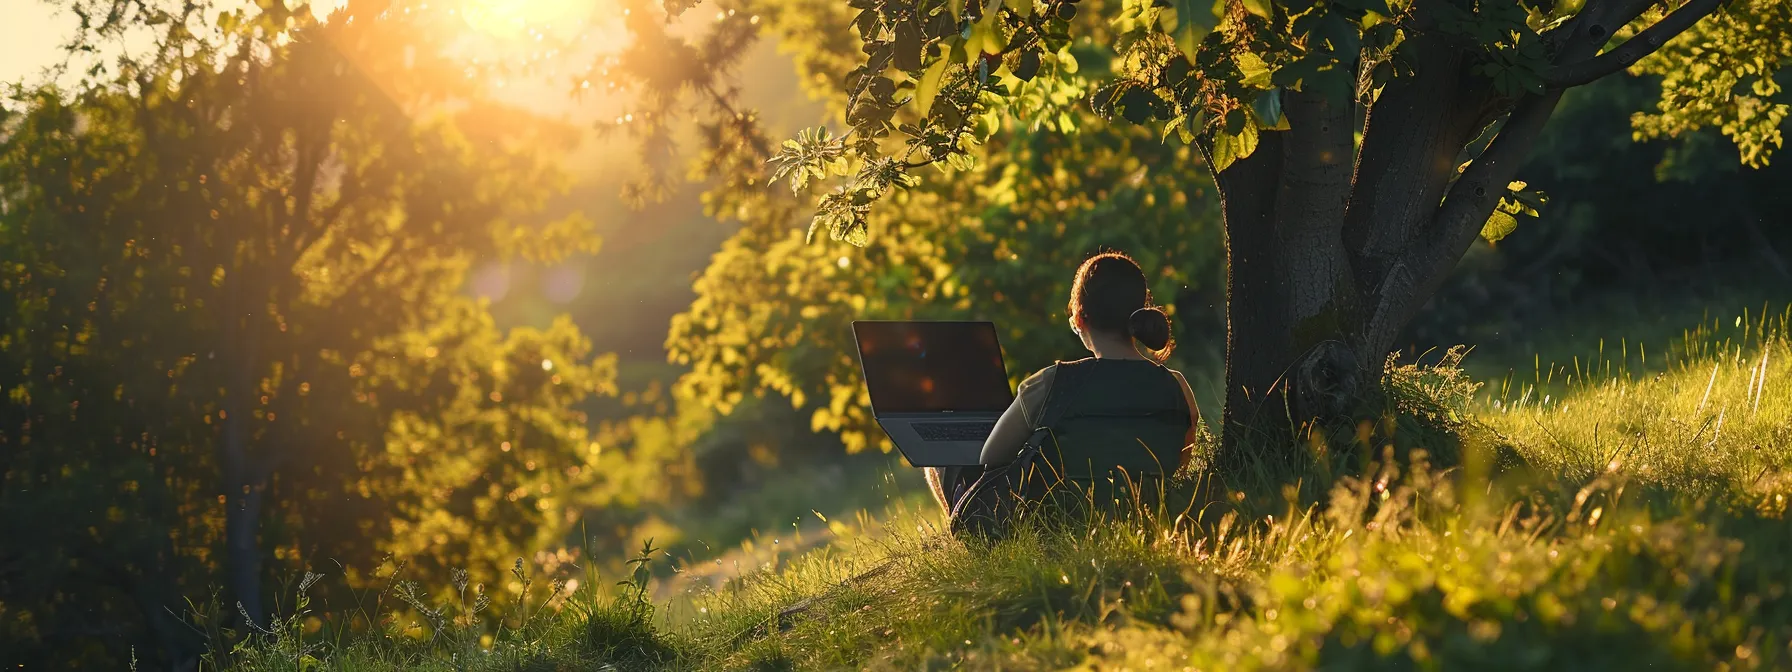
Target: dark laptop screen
{"type": "Point", "coordinates": [919, 367]}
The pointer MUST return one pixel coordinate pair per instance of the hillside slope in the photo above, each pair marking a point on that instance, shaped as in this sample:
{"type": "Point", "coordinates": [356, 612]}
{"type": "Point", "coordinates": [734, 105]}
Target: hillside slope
{"type": "Point", "coordinates": [1599, 518]}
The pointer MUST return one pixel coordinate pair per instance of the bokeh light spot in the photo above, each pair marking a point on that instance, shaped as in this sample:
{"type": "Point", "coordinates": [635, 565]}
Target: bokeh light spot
{"type": "Point", "coordinates": [492, 282]}
{"type": "Point", "coordinates": [562, 284]}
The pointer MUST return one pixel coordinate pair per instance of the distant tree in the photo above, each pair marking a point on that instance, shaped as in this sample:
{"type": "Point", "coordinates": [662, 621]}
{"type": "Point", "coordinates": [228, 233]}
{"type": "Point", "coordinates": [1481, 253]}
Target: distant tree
{"type": "Point", "coordinates": [1359, 147]}
{"type": "Point", "coordinates": [233, 329]}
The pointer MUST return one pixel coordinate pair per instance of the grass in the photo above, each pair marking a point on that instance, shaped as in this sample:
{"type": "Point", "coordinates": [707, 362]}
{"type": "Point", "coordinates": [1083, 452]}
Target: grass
{"type": "Point", "coordinates": [1644, 525]}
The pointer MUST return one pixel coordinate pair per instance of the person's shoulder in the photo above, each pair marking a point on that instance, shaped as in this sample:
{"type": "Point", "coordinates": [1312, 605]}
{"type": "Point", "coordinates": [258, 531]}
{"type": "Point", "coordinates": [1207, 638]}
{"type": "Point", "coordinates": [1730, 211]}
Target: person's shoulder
{"type": "Point", "coordinates": [1046, 375]}
{"type": "Point", "coordinates": [1181, 380]}
{"type": "Point", "coordinates": [1041, 377]}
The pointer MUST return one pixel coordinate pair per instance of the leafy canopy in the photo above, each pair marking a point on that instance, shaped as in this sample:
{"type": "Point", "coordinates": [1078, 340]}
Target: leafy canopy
{"type": "Point", "coordinates": [772, 311]}
{"type": "Point", "coordinates": [938, 75]}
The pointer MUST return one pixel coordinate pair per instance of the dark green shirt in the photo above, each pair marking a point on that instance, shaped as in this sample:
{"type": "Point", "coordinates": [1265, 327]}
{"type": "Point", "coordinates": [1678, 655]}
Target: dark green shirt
{"type": "Point", "coordinates": [1023, 416]}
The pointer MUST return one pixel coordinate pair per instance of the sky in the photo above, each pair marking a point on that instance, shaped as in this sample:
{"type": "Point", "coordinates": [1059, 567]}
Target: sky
{"type": "Point", "coordinates": [29, 34]}
{"type": "Point", "coordinates": [31, 31]}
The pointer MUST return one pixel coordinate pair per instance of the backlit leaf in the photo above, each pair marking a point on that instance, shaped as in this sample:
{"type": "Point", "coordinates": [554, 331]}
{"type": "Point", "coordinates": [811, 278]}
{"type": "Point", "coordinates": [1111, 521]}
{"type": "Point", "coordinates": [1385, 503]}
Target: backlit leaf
{"type": "Point", "coordinates": [929, 85]}
{"type": "Point", "coordinates": [1499, 225]}
{"type": "Point", "coordinates": [1254, 70]}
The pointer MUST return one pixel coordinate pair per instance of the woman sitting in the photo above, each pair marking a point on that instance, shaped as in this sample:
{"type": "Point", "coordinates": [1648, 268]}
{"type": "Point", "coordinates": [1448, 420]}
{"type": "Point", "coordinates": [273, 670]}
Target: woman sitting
{"type": "Point", "coordinates": [1118, 418]}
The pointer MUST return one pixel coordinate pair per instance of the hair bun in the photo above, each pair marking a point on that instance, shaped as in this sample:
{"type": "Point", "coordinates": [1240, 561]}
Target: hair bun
{"type": "Point", "coordinates": [1151, 327]}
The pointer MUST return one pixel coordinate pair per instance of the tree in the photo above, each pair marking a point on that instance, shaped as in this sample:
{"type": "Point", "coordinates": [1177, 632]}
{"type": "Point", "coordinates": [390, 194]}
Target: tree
{"type": "Point", "coordinates": [772, 311]}
{"type": "Point", "coordinates": [234, 338]}
{"type": "Point", "coordinates": [1642, 223]}
{"type": "Point", "coordinates": [1359, 147]}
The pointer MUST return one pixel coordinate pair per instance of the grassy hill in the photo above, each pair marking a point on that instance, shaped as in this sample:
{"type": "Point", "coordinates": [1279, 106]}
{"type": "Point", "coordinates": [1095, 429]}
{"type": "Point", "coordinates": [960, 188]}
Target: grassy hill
{"type": "Point", "coordinates": [1611, 513]}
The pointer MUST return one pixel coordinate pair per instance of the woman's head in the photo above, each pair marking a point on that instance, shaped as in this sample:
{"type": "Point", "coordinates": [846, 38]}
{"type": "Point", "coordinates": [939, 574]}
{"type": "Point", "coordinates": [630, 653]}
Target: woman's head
{"type": "Point", "coordinates": [1110, 298]}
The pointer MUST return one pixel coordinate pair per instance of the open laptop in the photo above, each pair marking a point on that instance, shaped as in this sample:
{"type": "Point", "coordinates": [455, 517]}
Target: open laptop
{"type": "Point", "coordinates": [937, 388]}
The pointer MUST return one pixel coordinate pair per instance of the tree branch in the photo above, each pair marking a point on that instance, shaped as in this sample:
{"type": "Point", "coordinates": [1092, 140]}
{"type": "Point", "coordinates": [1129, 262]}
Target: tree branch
{"type": "Point", "coordinates": [1411, 137]}
{"type": "Point", "coordinates": [1465, 209]}
{"type": "Point", "coordinates": [1644, 43]}
{"type": "Point", "coordinates": [1427, 258]}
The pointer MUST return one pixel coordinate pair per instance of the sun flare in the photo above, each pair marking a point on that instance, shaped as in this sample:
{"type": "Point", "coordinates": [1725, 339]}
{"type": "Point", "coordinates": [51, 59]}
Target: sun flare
{"type": "Point", "coordinates": [524, 19]}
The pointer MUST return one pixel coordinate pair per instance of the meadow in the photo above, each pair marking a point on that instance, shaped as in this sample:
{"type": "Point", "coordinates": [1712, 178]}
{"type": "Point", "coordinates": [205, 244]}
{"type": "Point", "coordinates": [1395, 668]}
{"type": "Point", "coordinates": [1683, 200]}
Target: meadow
{"type": "Point", "coordinates": [1625, 508]}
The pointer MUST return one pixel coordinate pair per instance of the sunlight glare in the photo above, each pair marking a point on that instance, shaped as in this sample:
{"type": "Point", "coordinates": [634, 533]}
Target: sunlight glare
{"type": "Point", "coordinates": [519, 19]}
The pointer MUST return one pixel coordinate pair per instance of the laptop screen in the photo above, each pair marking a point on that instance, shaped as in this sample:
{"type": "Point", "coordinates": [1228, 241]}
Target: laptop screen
{"type": "Point", "coordinates": [921, 367]}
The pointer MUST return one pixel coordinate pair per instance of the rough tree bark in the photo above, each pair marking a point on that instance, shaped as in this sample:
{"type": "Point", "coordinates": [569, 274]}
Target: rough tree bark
{"type": "Point", "coordinates": [1327, 261]}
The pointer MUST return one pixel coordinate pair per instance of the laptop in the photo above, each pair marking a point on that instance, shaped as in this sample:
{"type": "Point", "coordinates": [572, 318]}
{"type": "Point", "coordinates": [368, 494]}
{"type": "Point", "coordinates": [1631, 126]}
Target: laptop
{"type": "Point", "coordinates": [937, 388]}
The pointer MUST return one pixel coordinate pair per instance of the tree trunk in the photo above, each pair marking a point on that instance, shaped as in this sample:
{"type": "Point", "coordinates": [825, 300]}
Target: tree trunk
{"type": "Point", "coordinates": [1292, 306]}
{"type": "Point", "coordinates": [245, 476]}
{"type": "Point", "coordinates": [1326, 264]}
{"type": "Point", "coordinates": [242, 522]}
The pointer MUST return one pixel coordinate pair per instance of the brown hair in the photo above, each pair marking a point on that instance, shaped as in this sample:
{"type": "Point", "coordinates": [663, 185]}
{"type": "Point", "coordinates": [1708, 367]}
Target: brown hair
{"type": "Point", "coordinates": [1111, 296]}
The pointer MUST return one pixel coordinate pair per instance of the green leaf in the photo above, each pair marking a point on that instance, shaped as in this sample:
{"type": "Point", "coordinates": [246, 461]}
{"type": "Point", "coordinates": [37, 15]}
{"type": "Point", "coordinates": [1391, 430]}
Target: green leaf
{"type": "Point", "coordinates": [1377, 6]}
{"type": "Point", "coordinates": [1236, 121]}
{"type": "Point", "coordinates": [986, 35]}
{"type": "Point", "coordinates": [1344, 37]}
{"type": "Point", "coordinates": [1534, 200]}
{"type": "Point", "coordinates": [1190, 128]}
{"type": "Point", "coordinates": [1229, 148]}
{"type": "Point", "coordinates": [1255, 72]}
{"type": "Point", "coordinates": [929, 85]}
{"type": "Point", "coordinates": [1176, 72]}
{"type": "Point", "coordinates": [855, 232]}
{"type": "Point", "coordinates": [1028, 65]}
{"type": "Point", "coordinates": [1291, 75]}
{"type": "Point", "coordinates": [867, 24]}
{"type": "Point", "coordinates": [1224, 153]}
{"type": "Point", "coordinates": [1189, 23]}
{"type": "Point", "coordinates": [1258, 7]}
{"type": "Point", "coordinates": [1498, 226]}
{"type": "Point", "coordinates": [1067, 62]}
{"type": "Point", "coordinates": [1106, 96]}
{"type": "Point", "coordinates": [908, 46]}
{"type": "Point", "coordinates": [1136, 104]}
{"type": "Point", "coordinates": [1268, 107]}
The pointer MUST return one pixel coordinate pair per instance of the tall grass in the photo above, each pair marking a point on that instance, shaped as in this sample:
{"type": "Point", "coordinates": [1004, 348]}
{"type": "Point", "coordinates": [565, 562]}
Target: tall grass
{"type": "Point", "coordinates": [1714, 412]}
{"type": "Point", "coordinates": [1640, 522]}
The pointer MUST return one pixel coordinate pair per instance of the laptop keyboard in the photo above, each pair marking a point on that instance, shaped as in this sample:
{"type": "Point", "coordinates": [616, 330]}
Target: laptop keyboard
{"type": "Point", "coordinates": [954, 431]}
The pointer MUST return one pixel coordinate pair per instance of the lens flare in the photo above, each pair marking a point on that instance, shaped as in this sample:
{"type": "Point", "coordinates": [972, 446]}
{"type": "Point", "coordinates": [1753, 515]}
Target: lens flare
{"type": "Point", "coordinates": [523, 19]}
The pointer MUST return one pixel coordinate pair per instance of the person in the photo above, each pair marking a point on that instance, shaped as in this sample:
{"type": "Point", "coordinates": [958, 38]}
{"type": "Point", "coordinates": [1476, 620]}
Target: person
{"type": "Point", "coordinates": [1123, 410]}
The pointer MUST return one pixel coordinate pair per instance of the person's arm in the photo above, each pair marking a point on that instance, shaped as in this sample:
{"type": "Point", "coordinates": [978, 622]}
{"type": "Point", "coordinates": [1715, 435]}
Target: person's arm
{"type": "Point", "coordinates": [1194, 421]}
{"type": "Point", "coordinates": [1015, 425]}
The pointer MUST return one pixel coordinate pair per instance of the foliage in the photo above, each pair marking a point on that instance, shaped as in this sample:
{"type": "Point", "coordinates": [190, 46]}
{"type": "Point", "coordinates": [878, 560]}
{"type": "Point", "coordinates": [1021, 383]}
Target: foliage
{"type": "Point", "coordinates": [1345, 257]}
{"type": "Point", "coordinates": [1617, 248]}
{"type": "Point", "coordinates": [233, 324]}
{"type": "Point", "coordinates": [1724, 74]}
{"type": "Point", "coordinates": [568, 621]}
{"type": "Point", "coordinates": [772, 312]}
{"type": "Point", "coordinates": [1221, 76]}
{"type": "Point", "coordinates": [1586, 565]}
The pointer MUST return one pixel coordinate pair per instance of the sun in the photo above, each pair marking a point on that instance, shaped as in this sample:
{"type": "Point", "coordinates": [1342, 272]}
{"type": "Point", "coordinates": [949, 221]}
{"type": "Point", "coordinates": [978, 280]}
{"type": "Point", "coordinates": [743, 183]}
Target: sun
{"type": "Point", "coordinates": [523, 19]}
